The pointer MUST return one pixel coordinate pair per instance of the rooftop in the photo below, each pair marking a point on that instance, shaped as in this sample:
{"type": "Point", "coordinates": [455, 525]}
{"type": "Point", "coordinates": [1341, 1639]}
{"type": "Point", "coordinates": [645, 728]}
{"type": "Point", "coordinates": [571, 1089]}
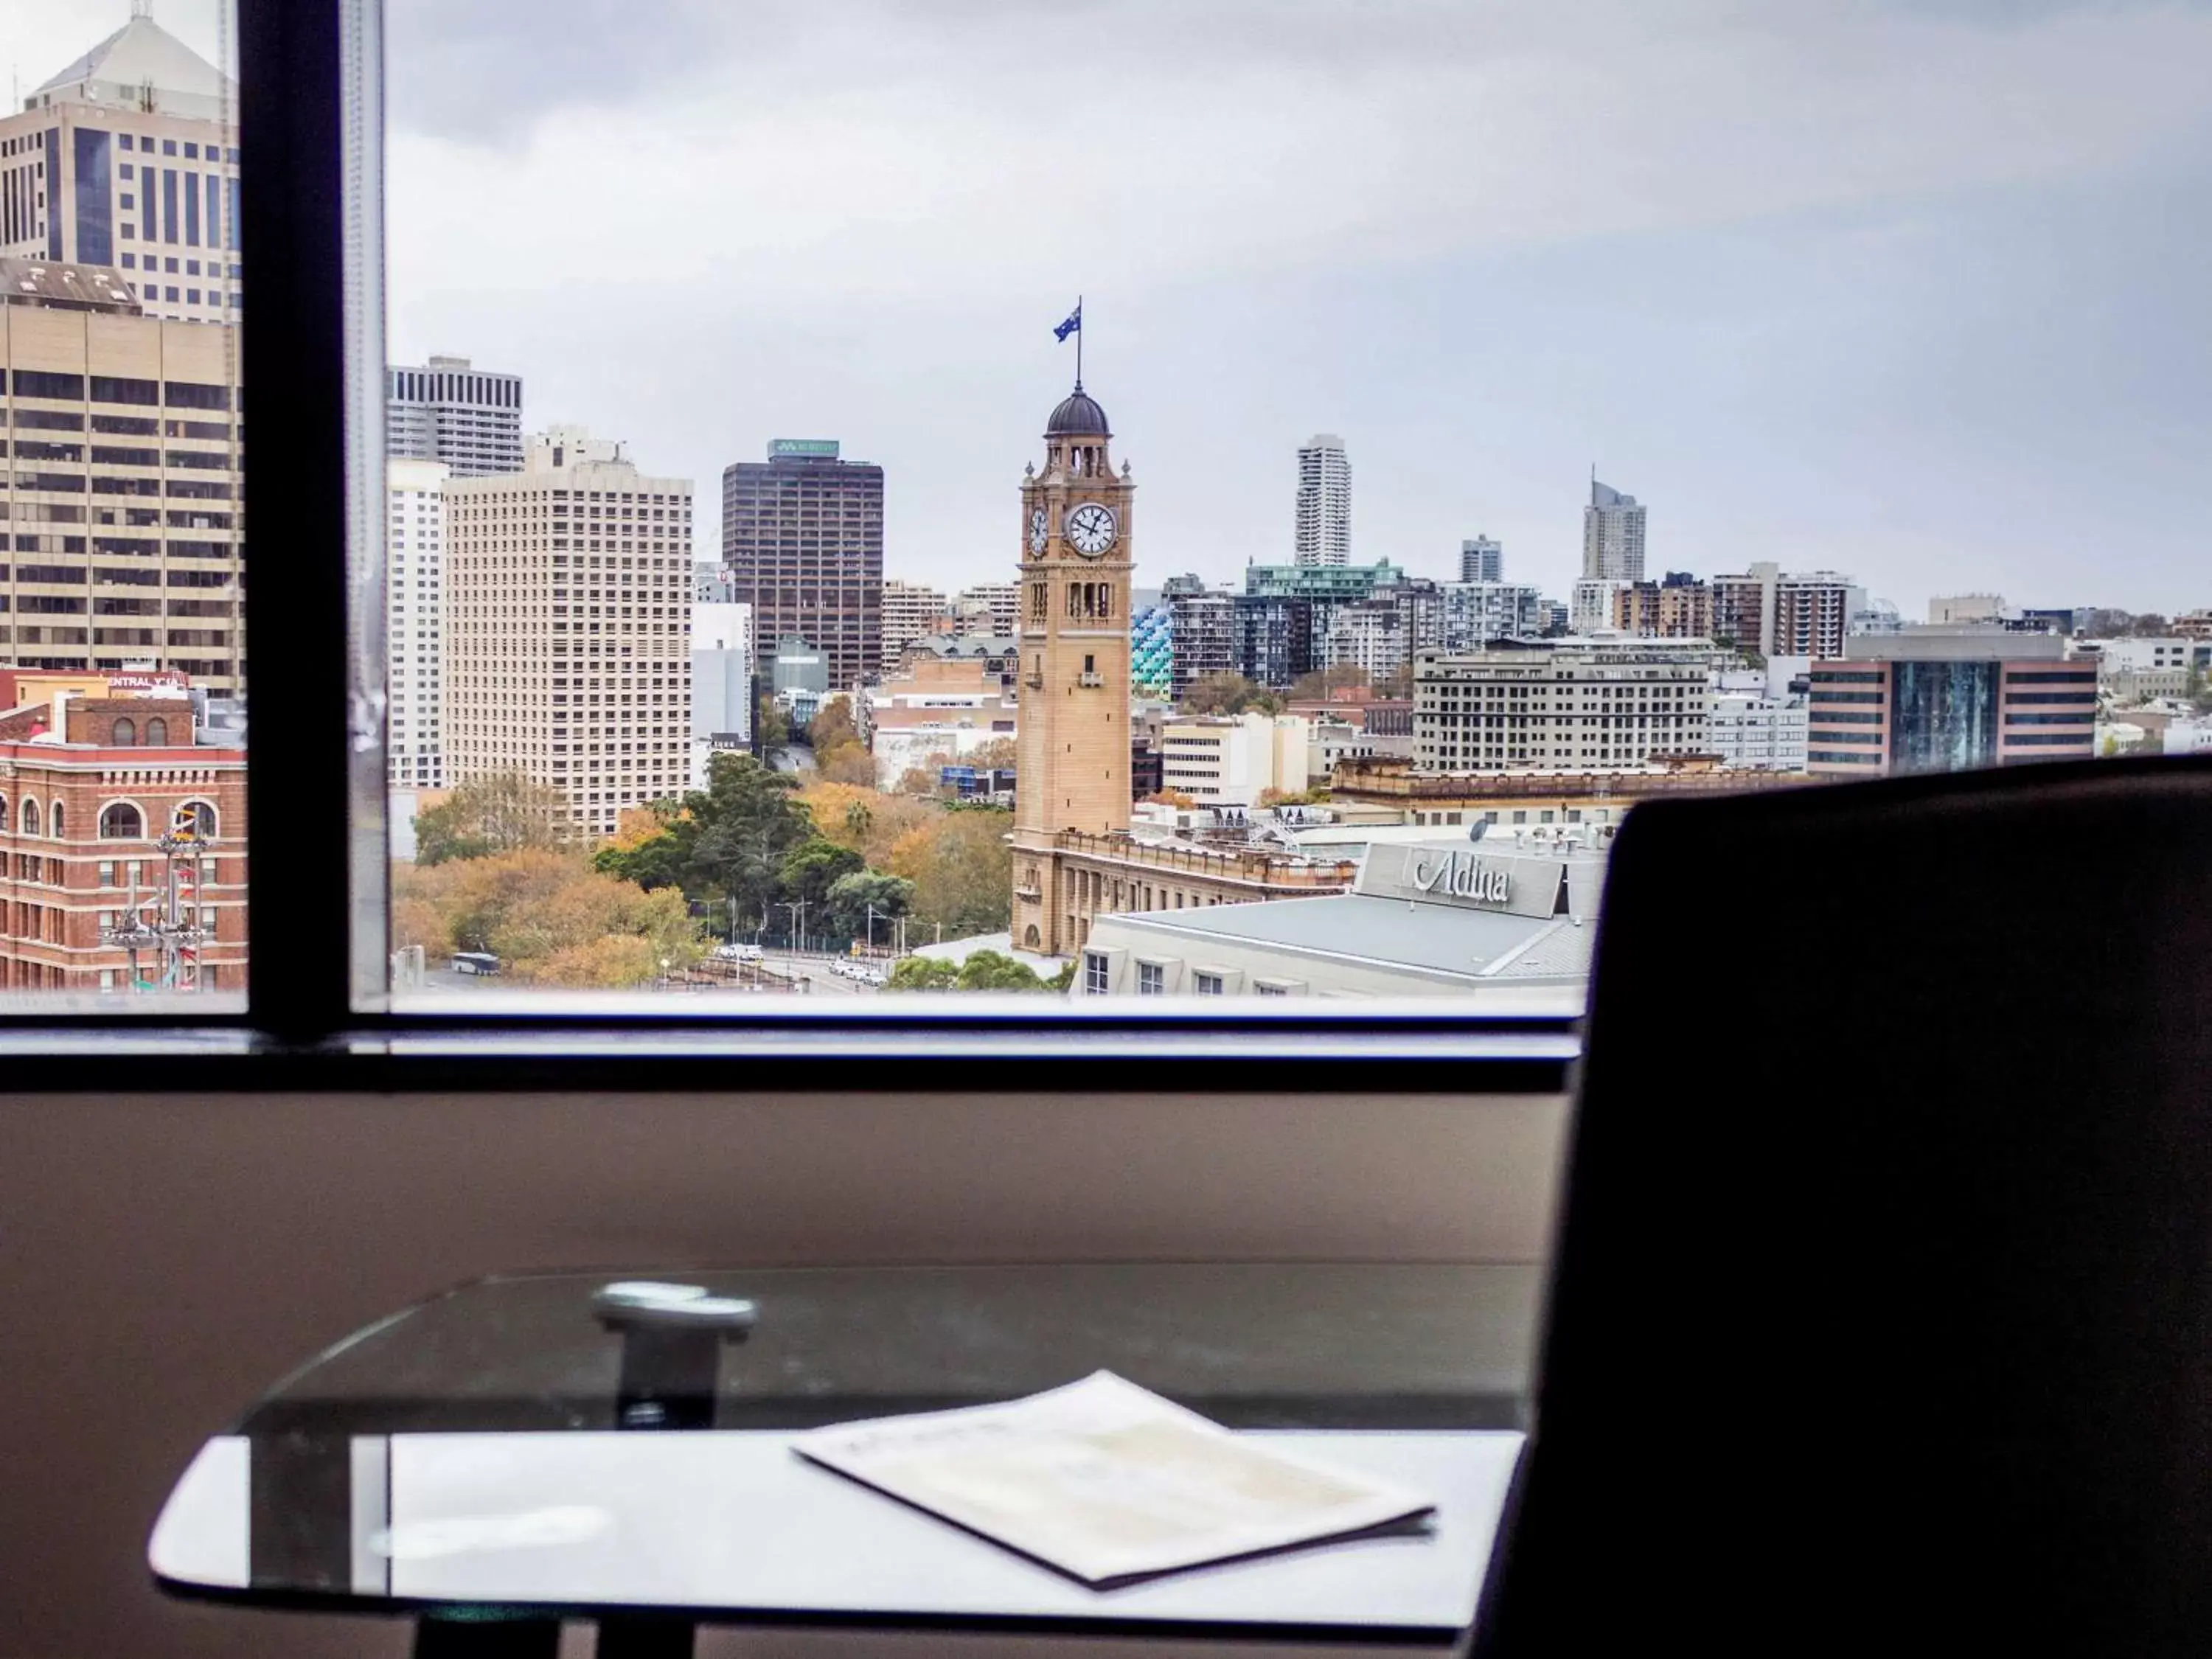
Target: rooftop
{"type": "Point", "coordinates": [142, 66]}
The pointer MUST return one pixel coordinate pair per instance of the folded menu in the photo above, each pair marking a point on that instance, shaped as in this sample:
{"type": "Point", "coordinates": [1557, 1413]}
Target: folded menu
{"type": "Point", "coordinates": [1107, 1481]}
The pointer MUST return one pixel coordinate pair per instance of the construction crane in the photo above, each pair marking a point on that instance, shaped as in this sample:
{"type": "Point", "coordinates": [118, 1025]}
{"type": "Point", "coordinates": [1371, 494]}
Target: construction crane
{"type": "Point", "coordinates": [166, 922]}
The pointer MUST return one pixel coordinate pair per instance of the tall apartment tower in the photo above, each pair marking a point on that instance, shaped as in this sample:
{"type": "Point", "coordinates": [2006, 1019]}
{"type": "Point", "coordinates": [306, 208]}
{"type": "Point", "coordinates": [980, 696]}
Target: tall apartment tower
{"type": "Point", "coordinates": [1073, 732]}
{"type": "Point", "coordinates": [447, 412]}
{"type": "Point", "coordinates": [129, 158]}
{"type": "Point", "coordinates": [128, 549]}
{"type": "Point", "coordinates": [1613, 536]}
{"type": "Point", "coordinates": [567, 627]}
{"type": "Point", "coordinates": [910, 611]}
{"type": "Point", "coordinates": [1324, 528]}
{"type": "Point", "coordinates": [1481, 560]}
{"type": "Point", "coordinates": [803, 541]}
{"type": "Point", "coordinates": [415, 603]}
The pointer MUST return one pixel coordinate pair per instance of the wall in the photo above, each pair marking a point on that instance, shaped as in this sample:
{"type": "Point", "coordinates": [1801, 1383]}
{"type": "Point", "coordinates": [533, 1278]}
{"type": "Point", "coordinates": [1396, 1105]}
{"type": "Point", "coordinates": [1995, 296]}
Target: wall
{"type": "Point", "coordinates": [167, 1258]}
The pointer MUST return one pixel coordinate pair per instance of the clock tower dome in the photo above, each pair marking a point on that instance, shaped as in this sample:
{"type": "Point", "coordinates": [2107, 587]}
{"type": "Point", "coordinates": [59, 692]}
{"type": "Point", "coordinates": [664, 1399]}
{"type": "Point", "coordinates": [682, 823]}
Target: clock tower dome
{"type": "Point", "coordinates": [1074, 726]}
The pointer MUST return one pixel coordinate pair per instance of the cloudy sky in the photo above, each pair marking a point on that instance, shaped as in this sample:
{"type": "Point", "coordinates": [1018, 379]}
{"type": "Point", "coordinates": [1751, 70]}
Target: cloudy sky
{"type": "Point", "coordinates": [1914, 288]}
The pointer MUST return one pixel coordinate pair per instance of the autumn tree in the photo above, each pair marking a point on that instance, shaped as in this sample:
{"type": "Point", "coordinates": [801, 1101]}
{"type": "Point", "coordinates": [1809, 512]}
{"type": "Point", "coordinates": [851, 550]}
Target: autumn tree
{"type": "Point", "coordinates": [499, 812]}
{"type": "Point", "coordinates": [847, 763]}
{"type": "Point", "coordinates": [963, 872]}
{"type": "Point", "coordinates": [1316, 687]}
{"type": "Point", "coordinates": [864, 819]}
{"type": "Point", "coordinates": [998, 752]}
{"type": "Point", "coordinates": [549, 916]}
{"type": "Point", "coordinates": [1231, 694]}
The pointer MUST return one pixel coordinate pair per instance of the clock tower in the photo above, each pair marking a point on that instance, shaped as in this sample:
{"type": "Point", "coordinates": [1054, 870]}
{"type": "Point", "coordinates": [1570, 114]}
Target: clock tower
{"type": "Point", "coordinates": [1074, 726]}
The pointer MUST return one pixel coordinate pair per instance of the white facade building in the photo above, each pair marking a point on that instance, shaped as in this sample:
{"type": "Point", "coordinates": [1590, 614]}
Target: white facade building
{"type": "Point", "coordinates": [1576, 705]}
{"type": "Point", "coordinates": [2136, 669]}
{"type": "Point", "coordinates": [1946, 609]}
{"type": "Point", "coordinates": [722, 682]}
{"type": "Point", "coordinates": [1370, 637]}
{"type": "Point", "coordinates": [1481, 560]}
{"type": "Point", "coordinates": [414, 608]}
{"type": "Point", "coordinates": [1324, 510]}
{"type": "Point", "coordinates": [1591, 610]}
{"type": "Point", "coordinates": [1613, 536]}
{"type": "Point", "coordinates": [567, 627]}
{"type": "Point", "coordinates": [988, 608]}
{"type": "Point", "coordinates": [910, 611]}
{"type": "Point", "coordinates": [129, 158]}
{"type": "Point", "coordinates": [1474, 613]}
{"type": "Point", "coordinates": [447, 412]}
{"type": "Point", "coordinates": [1231, 760]}
{"type": "Point", "coordinates": [1755, 728]}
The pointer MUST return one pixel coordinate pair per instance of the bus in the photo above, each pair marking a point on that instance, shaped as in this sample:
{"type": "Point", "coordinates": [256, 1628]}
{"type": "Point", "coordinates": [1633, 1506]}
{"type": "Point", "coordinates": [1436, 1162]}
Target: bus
{"type": "Point", "coordinates": [475, 961]}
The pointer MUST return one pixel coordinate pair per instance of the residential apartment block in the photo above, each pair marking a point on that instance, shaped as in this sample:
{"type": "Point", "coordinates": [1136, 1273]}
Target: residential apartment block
{"type": "Point", "coordinates": [1575, 705]}
{"type": "Point", "coordinates": [910, 610]}
{"type": "Point", "coordinates": [1481, 560]}
{"type": "Point", "coordinates": [1324, 502]}
{"type": "Point", "coordinates": [1680, 607]}
{"type": "Point", "coordinates": [123, 489]}
{"type": "Point", "coordinates": [1938, 699]}
{"type": "Point", "coordinates": [1779, 614]}
{"type": "Point", "coordinates": [1474, 613]}
{"type": "Point", "coordinates": [1613, 536]}
{"type": "Point", "coordinates": [128, 157]}
{"type": "Point", "coordinates": [414, 609]}
{"type": "Point", "coordinates": [803, 542]}
{"type": "Point", "coordinates": [447, 412]}
{"type": "Point", "coordinates": [567, 627]}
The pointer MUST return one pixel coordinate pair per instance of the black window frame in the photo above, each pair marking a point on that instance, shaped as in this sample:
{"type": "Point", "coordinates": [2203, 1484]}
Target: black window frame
{"type": "Point", "coordinates": [309, 69]}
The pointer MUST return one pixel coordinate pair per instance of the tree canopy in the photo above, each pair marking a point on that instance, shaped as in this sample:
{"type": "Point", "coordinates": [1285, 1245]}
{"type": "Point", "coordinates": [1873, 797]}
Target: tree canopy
{"type": "Point", "coordinates": [549, 916]}
{"type": "Point", "coordinates": [501, 813]}
{"type": "Point", "coordinates": [981, 970]}
{"type": "Point", "coordinates": [1231, 694]}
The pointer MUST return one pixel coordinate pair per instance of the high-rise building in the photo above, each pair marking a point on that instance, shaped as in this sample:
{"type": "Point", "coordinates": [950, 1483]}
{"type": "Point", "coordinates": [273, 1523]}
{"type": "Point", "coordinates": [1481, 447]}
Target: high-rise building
{"type": "Point", "coordinates": [1582, 705]}
{"type": "Point", "coordinates": [127, 549]}
{"type": "Point", "coordinates": [1743, 608]}
{"type": "Point", "coordinates": [567, 627]}
{"type": "Point", "coordinates": [447, 412]}
{"type": "Point", "coordinates": [721, 684]}
{"type": "Point", "coordinates": [1613, 536]}
{"type": "Point", "coordinates": [129, 158]}
{"type": "Point", "coordinates": [1151, 653]}
{"type": "Point", "coordinates": [1202, 621]}
{"type": "Point", "coordinates": [1481, 560]}
{"type": "Point", "coordinates": [1324, 515]}
{"type": "Point", "coordinates": [910, 610]}
{"type": "Point", "coordinates": [1595, 603]}
{"type": "Point", "coordinates": [989, 609]}
{"type": "Point", "coordinates": [1934, 699]}
{"type": "Point", "coordinates": [1371, 636]}
{"type": "Point", "coordinates": [414, 608]}
{"type": "Point", "coordinates": [1477, 613]}
{"type": "Point", "coordinates": [1279, 639]}
{"type": "Point", "coordinates": [1758, 726]}
{"type": "Point", "coordinates": [1813, 612]}
{"type": "Point", "coordinates": [1680, 607]}
{"type": "Point", "coordinates": [803, 541]}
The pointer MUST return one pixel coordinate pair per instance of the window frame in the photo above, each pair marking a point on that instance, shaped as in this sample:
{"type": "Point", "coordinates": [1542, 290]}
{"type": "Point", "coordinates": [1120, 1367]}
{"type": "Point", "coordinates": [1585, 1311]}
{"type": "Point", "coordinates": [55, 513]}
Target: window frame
{"type": "Point", "coordinates": [321, 1015]}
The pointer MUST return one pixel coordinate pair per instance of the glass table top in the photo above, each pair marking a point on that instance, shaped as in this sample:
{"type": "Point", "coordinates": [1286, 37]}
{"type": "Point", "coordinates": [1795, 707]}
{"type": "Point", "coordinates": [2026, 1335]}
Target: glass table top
{"type": "Point", "coordinates": [500, 1412]}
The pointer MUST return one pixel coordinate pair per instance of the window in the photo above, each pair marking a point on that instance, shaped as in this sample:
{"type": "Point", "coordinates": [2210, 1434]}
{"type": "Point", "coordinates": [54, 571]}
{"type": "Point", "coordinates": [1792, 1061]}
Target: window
{"type": "Point", "coordinates": [1096, 973]}
{"type": "Point", "coordinates": [124, 731]}
{"type": "Point", "coordinates": [121, 822]}
{"type": "Point", "coordinates": [31, 819]}
{"type": "Point", "coordinates": [1151, 980]}
{"type": "Point", "coordinates": [1207, 985]}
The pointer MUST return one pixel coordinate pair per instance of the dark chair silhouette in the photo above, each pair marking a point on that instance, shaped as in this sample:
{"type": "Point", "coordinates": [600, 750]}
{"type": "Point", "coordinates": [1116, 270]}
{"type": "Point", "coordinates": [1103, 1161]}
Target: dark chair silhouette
{"type": "Point", "coordinates": [1881, 1311]}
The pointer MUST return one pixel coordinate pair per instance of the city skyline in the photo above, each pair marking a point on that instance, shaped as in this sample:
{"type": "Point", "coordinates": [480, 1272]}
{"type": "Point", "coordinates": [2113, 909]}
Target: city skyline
{"type": "Point", "coordinates": [1829, 320]}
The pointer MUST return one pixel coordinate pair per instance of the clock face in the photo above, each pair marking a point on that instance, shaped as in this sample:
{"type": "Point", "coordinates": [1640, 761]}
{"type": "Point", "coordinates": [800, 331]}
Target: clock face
{"type": "Point", "coordinates": [1039, 534]}
{"type": "Point", "coordinates": [1091, 529]}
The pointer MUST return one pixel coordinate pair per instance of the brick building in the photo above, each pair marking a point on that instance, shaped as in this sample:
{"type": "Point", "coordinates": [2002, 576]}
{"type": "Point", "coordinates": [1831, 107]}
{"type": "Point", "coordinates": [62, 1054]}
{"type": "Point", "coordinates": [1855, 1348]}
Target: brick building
{"type": "Point", "coordinates": [88, 785]}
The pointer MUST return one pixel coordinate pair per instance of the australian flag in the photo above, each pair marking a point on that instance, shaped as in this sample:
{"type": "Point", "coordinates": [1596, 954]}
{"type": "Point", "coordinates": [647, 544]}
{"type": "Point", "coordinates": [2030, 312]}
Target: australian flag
{"type": "Point", "coordinates": [1072, 326]}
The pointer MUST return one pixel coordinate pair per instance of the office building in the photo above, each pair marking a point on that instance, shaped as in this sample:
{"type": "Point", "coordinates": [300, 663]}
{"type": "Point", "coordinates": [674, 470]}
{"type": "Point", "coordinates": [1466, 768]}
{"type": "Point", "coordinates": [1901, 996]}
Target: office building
{"type": "Point", "coordinates": [721, 684]}
{"type": "Point", "coordinates": [1481, 560]}
{"type": "Point", "coordinates": [2141, 666]}
{"type": "Point", "coordinates": [991, 609]}
{"type": "Point", "coordinates": [567, 627]}
{"type": "Point", "coordinates": [447, 412]}
{"type": "Point", "coordinates": [1510, 914]}
{"type": "Point", "coordinates": [92, 775]}
{"type": "Point", "coordinates": [1324, 507]}
{"type": "Point", "coordinates": [1232, 760]}
{"type": "Point", "coordinates": [803, 541]}
{"type": "Point", "coordinates": [1575, 704]}
{"type": "Point", "coordinates": [910, 610]}
{"type": "Point", "coordinates": [710, 584]}
{"type": "Point", "coordinates": [1613, 536]}
{"type": "Point", "coordinates": [128, 157]}
{"type": "Point", "coordinates": [1203, 623]}
{"type": "Point", "coordinates": [1756, 727]}
{"type": "Point", "coordinates": [1330, 584]}
{"type": "Point", "coordinates": [939, 708]}
{"type": "Point", "coordinates": [1946, 698]}
{"type": "Point", "coordinates": [124, 525]}
{"type": "Point", "coordinates": [414, 611]}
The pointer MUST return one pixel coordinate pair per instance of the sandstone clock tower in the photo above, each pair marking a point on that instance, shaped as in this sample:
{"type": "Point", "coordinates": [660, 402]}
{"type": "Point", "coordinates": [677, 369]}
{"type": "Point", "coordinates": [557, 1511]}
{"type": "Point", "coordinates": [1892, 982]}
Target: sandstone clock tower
{"type": "Point", "coordinates": [1074, 726]}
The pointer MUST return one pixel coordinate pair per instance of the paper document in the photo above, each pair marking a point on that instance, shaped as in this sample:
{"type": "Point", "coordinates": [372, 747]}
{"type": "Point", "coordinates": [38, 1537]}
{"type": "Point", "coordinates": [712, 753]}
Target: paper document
{"type": "Point", "coordinates": [1107, 1481]}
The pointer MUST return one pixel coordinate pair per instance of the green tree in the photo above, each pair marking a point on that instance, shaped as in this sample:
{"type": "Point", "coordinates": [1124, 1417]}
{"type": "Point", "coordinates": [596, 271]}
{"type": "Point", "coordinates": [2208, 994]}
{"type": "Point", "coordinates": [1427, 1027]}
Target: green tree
{"type": "Point", "coordinates": [501, 813]}
{"type": "Point", "coordinates": [983, 970]}
{"type": "Point", "coordinates": [814, 866]}
{"type": "Point", "coordinates": [924, 974]}
{"type": "Point", "coordinates": [749, 821]}
{"type": "Point", "coordinates": [1231, 694]}
{"type": "Point", "coordinates": [1314, 687]}
{"type": "Point", "coordinates": [771, 722]}
{"type": "Point", "coordinates": [860, 900]}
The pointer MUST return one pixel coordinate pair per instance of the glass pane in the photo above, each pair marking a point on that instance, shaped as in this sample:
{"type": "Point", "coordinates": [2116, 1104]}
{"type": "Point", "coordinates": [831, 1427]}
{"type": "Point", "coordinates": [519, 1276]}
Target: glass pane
{"type": "Point", "coordinates": [774, 607]}
{"type": "Point", "coordinates": [123, 667]}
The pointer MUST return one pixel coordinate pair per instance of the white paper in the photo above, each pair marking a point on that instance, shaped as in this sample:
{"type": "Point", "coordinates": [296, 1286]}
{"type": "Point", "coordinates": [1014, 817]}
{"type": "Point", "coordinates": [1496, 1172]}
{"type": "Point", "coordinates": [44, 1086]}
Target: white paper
{"type": "Point", "coordinates": [1107, 1481]}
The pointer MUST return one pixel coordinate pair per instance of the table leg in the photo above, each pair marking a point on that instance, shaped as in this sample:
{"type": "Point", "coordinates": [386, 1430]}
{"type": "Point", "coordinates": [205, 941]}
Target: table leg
{"type": "Point", "coordinates": [635, 1638]}
{"type": "Point", "coordinates": [486, 1638]}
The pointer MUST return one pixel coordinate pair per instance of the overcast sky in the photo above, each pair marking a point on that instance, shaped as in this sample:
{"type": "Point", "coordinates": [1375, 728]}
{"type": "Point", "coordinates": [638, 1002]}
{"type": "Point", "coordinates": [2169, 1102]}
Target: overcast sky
{"type": "Point", "coordinates": [1914, 288]}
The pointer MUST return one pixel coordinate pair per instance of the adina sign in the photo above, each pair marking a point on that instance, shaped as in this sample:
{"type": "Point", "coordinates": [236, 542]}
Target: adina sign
{"type": "Point", "coordinates": [1463, 876]}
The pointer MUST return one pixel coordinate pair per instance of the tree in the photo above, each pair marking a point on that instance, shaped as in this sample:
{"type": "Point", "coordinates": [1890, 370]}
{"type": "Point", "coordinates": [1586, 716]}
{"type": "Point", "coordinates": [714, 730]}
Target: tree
{"type": "Point", "coordinates": [549, 916]}
{"type": "Point", "coordinates": [814, 866]}
{"type": "Point", "coordinates": [998, 752]}
{"type": "Point", "coordinates": [1314, 687]}
{"type": "Point", "coordinates": [832, 725]}
{"type": "Point", "coordinates": [501, 813]}
{"type": "Point", "coordinates": [652, 846]}
{"type": "Point", "coordinates": [861, 899]}
{"type": "Point", "coordinates": [748, 823]}
{"type": "Point", "coordinates": [770, 722]}
{"type": "Point", "coordinates": [924, 974]}
{"type": "Point", "coordinates": [1231, 694]}
{"type": "Point", "coordinates": [981, 970]}
{"type": "Point", "coordinates": [847, 763]}
{"type": "Point", "coordinates": [863, 818]}
{"type": "Point", "coordinates": [1398, 683]}
{"type": "Point", "coordinates": [963, 872]}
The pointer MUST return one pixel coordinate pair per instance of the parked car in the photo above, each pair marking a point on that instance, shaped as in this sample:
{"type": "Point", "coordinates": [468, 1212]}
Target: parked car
{"type": "Point", "coordinates": [738, 953]}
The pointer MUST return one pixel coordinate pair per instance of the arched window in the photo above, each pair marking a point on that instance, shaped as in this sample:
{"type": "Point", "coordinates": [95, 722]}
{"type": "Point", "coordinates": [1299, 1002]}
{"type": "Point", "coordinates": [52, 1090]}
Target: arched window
{"type": "Point", "coordinates": [121, 822]}
{"type": "Point", "coordinates": [57, 820]}
{"type": "Point", "coordinates": [30, 818]}
{"type": "Point", "coordinates": [157, 731]}
{"type": "Point", "coordinates": [125, 731]}
{"type": "Point", "coordinates": [203, 821]}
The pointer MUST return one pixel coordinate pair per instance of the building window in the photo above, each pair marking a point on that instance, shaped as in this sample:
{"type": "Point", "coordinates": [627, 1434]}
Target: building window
{"type": "Point", "coordinates": [121, 822]}
{"type": "Point", "coordinates": [59, 821]}
{"type": "Point", "coordinates": [125, 731]}
{"type": "Point", "coordinates": [1094, 973]}
{"type": "Point", "coordinates": [1208, 985]}
{"type": "Point", "coordinates": [1151, 980]}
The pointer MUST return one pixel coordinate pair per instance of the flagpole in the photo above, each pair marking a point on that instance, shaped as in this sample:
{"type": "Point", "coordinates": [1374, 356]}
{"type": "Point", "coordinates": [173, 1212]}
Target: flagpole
{"type": "Point", "coordinates": [1079, 342]}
